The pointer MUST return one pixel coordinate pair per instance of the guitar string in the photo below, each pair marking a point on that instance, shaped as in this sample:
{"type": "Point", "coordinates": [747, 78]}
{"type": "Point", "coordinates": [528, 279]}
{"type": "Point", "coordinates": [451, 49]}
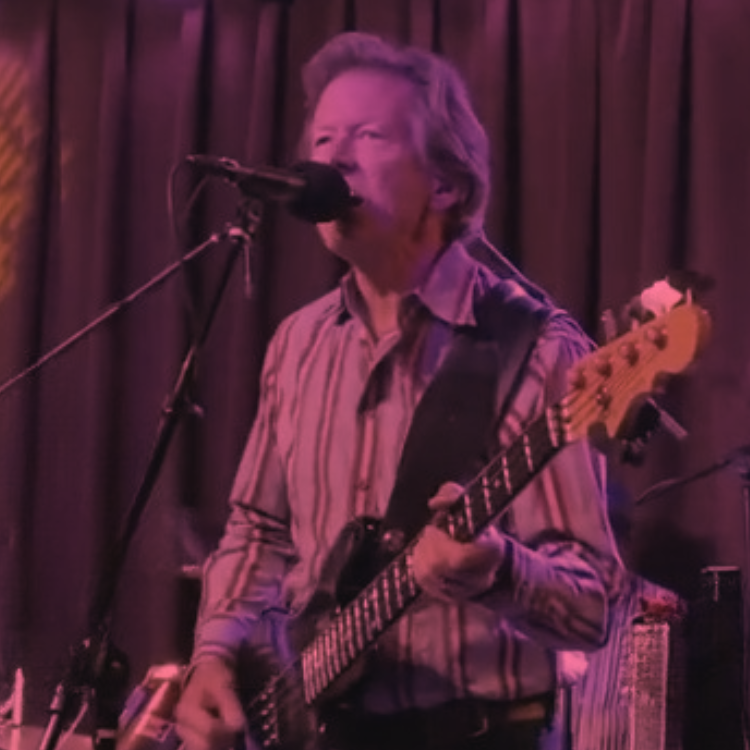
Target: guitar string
{"type": "Point", "coordinates": [622, 380]}
{"type": "Point", "coordinates": [515, 457]}
{"type": "Point", "coordinates": [515, 462]}
{"type": "Point", "coordinates": [357, 610]}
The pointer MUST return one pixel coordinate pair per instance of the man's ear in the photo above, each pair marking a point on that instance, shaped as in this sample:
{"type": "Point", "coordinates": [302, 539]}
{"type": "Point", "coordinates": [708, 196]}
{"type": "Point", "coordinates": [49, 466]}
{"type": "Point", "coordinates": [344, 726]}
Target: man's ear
{"type": "Point", "coordinates": [445, 195]}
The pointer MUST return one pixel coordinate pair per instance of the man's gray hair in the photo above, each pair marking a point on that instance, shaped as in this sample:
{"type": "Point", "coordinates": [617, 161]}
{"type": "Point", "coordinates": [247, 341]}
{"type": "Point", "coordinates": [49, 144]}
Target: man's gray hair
{"type": "Point", "coordinates": [455, 142]}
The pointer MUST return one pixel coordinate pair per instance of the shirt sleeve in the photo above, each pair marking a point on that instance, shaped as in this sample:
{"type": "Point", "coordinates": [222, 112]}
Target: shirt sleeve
{"type": "Point", "coordinates": [243, 576]}
{"type": "Point", "coordinates": [561, 566]}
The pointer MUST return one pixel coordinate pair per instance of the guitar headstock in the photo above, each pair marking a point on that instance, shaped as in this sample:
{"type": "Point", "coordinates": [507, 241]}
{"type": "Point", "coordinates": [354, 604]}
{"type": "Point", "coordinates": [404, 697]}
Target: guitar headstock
{"type": "Point", "coordinates": [608, 383]}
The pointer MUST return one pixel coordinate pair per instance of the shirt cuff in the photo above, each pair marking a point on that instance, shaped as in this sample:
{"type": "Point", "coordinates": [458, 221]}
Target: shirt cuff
{"type": "Point", "coordinates": [221, 637]}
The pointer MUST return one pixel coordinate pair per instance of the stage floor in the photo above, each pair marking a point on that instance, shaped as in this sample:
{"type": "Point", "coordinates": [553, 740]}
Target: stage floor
{"type": "Point", "coordinates": [28, 738]}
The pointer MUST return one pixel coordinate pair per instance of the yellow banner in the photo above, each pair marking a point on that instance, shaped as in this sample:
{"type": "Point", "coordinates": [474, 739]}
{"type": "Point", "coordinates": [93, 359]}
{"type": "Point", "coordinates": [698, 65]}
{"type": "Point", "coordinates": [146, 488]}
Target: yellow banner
{"type": "Point", "coordinates": [14, 127]}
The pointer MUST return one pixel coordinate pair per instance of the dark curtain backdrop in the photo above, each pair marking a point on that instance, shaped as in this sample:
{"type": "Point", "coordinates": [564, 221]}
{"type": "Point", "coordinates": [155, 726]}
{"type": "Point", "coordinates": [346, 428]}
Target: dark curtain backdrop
{"type": "Point", "coordinates": [620, 141]}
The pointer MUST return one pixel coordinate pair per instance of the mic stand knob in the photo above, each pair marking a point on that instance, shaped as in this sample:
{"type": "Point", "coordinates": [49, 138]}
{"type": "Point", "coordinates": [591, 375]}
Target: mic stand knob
{"type": "Point", "coordinates": [97, 678]}
{"type": "Point", "coordinates": [109, 693]}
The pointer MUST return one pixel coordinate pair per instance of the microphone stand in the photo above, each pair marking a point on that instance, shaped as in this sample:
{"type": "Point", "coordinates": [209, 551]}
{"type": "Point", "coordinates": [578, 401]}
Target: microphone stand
{"type": "Point", "coordinates": [97, 675]}
{"type": "Point", "coordinates": [661, 488]}
{"type": "Point", "coordinates": [744, 471]}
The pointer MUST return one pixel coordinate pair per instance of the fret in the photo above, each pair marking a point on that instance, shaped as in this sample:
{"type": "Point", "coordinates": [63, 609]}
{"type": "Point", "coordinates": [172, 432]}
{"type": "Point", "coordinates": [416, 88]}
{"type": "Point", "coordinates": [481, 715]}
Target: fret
{"type": "Point", "coordinates": [320, 667]}
{"type": "Point", "coordinates": [341, 637]}
{"type": "Point", "coordinates": [349, 625]}
{"type": "Point", "coordinates": [330, 655]}
{"type": "Point", "coordinates": [553, 426]}
{"type": "Point", "coordinates": [546, 442]}
{"type": "Point", "coordinates": [351, 647]}
{"type": "Point", "coordinates": [303, 669]}
{"type": "Point", "coordinates": [327, 657]}
{"type": "Point", "coordinates": [387, 595]}
{"type": "Point", "coordinates": [487, 495]}
{"type": "Point", "coordinates": [376, 608]}
{"type": "Point", "coordinates": [323, 661]}
{"type": "Point", "coordinates": [343, 646]}
{"type": "Point", "coordinates": [352, 627]}
{"type": "Point", "coordinates": [468, 511]}
{"type": "Point", "coordinates": [358, 627]}
{"type": "Point", "coordinates": [565, 417]}
{"type": "Point", "coordinates": [343, 641]}
{"type": "Point", "coordinates": [551, 441]}
{"type": "Point", "coordinates": [363, 622]}
{"type": "Point", "coordinates": [397, 569]}
{"type": "Point", "coordinates": [316, 677]}
{"type": "Point", "coordinates": [311, 669]}
{"type": "Point", "coordinates": [322, 679]}
{"type": "Point", "coordinates": [372, 629]}
{"type": "Point", "coordinates": [335, 650]}
{"type": "Point", "coordinates": [369, 616]}
{"type": "Point", "coordinates": [506, 474]}
{"type": "Point", "coordinates": [527, 452]}
{"type": "Point", "coordinates": [306, 678]}
{"type": "Point", "coordinates": [333, 631]}
{"type": "Point", "coordinates": [451, 521]}
{"type": "Point", "coordinates": [357, 622]}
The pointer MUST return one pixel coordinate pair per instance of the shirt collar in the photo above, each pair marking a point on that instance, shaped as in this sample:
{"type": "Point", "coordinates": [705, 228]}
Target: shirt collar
{"type": "Point", "coordinates": [448, 291]}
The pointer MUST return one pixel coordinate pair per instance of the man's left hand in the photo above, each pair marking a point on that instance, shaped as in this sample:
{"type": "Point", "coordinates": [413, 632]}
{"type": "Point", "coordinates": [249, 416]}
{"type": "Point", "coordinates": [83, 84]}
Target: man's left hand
{"type": "Point", "coordinates": [451, 570]}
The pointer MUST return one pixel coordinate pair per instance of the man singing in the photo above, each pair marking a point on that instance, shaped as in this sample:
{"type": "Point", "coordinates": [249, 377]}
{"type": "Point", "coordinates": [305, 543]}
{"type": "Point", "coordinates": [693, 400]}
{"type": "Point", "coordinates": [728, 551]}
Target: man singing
{"type": "Point", "coordinates": [471, 663]}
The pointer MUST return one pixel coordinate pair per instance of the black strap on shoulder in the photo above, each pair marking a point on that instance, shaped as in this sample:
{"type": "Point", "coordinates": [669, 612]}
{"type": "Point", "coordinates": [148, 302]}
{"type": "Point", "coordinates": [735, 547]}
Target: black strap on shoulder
{"type": "Point", "coordinates": [452, 428]}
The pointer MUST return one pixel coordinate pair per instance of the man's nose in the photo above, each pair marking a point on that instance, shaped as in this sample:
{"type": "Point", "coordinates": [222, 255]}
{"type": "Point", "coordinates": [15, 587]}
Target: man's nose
{"type": "Point", "coordinates": [342, 155]}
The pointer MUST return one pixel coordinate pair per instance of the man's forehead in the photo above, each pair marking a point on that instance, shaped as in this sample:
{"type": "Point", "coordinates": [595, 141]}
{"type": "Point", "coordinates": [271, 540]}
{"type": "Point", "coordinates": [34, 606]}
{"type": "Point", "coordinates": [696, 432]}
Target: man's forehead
{"type": "Point", "coordinates": [366, 94]}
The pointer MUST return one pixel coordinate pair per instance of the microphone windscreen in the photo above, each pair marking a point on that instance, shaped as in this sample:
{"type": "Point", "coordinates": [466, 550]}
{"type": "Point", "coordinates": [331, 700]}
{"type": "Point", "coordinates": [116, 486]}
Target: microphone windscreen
{"type": "Point", "coordinates": [326, 195]}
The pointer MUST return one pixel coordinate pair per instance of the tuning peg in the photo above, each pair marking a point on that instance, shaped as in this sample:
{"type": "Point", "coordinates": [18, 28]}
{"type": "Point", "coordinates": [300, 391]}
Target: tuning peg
{"type": "Point", "coordinates": [688, 279]}
{"type": "Point", "coordinates": [649, 417]}
{"type": "Point", "coordinates": [669, 423]}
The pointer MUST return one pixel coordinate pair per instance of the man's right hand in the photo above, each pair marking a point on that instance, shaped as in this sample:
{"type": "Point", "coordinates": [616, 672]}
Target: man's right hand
{"type": "Point", "coordinates": [209, 715]}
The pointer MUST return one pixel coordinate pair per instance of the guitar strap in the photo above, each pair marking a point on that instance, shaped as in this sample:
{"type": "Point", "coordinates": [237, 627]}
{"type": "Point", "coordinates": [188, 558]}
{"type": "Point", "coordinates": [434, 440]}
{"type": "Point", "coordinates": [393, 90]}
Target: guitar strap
{"type": "Point", "coordinates": [454, 424]}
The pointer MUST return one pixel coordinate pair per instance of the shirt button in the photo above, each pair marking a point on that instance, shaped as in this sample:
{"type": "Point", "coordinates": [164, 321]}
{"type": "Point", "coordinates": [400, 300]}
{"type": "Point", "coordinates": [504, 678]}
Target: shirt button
{"type": "Point", "coordinates": [363, 485]}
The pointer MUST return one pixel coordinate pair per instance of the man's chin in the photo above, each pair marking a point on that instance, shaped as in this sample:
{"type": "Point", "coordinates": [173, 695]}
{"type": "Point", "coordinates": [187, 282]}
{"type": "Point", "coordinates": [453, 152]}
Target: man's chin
{"type": "Point", "coordinates": [337, 234]}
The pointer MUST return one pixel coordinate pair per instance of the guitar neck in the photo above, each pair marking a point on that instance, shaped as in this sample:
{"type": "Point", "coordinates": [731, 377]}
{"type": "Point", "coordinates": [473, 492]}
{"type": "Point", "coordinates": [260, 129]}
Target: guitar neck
{"type": "Point", "coordinates": [355, 627]}
{"type": "Point", "coordinates": [490, 493]}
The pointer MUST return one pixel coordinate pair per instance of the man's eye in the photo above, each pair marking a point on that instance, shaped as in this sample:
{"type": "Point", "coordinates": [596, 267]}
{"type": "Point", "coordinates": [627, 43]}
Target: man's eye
{"type": "Point", "coordinates": [321, 140]}
{"type": "Point", "coordinates": [373, 134]}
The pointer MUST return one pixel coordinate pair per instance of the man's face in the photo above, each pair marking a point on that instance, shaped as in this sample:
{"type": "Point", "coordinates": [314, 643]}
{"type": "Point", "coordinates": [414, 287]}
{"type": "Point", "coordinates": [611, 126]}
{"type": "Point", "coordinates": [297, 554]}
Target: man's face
{"type": "Point", "coordinates": [364, 124]}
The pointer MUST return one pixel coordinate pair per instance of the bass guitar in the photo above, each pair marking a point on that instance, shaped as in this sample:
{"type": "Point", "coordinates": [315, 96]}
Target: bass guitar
{"type": "Point", "coordinates": [323, 653]}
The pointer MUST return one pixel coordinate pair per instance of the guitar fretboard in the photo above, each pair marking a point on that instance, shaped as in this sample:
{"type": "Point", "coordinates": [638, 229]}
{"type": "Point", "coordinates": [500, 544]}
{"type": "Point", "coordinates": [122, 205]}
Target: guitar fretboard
{"type": "Point", "coordinates": [355, 627]}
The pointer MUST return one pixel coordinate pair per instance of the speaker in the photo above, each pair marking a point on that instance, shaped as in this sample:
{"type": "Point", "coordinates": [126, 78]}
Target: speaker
{"type": "Point", "coordinates": [714, 715]}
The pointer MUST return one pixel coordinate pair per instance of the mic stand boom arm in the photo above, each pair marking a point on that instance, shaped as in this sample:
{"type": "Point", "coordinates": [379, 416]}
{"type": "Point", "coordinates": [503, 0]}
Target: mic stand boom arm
{"type": "Point", "coordinates": [97, 674]}
{"type": "Point", "coordinates": [230, 231]}
{"type": "Point", "coordinates": [739, 457]}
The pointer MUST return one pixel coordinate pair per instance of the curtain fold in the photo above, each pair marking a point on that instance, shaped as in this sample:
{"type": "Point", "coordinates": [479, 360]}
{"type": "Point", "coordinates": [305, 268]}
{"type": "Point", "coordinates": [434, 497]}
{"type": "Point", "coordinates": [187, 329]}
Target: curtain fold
{"type": "Point", "coordinates": [619, 135]}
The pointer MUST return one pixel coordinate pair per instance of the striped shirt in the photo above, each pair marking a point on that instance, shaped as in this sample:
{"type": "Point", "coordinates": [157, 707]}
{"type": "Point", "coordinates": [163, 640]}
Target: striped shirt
{"type": "Point", "coordinates": [333, 416]}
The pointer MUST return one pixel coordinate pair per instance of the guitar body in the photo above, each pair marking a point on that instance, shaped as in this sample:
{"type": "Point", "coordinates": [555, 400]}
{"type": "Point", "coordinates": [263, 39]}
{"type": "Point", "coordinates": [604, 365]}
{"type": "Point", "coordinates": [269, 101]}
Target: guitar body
{"type": "Point", "coordinates": [355, 559]}
{"type": "Point", "coordinates": [272, 682]}
{"type": "Point", "coordinates": [277, 714]}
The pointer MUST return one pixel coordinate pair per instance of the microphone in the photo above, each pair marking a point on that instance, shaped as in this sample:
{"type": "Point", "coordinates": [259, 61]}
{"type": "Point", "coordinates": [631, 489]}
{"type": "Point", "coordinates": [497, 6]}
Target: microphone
{"type": "Point", "coordinates": [313, 191]}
